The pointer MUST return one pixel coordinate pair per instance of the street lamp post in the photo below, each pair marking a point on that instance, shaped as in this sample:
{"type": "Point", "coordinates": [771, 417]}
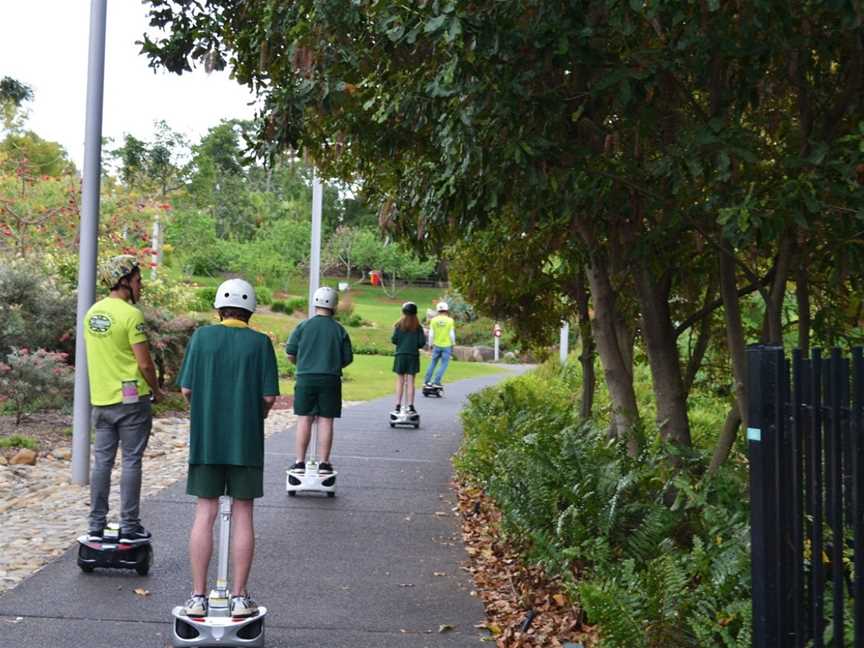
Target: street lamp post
{"type": "Point", "coordinates": [88, 235]}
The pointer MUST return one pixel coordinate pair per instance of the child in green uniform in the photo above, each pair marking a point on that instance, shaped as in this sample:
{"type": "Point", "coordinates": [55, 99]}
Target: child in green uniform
{"type": "Point", "coordinates": [230, 380]}
{"type": "Point", "coordinates": [321, 348]}
{"type": "Point", "coordinates": [409, 338]}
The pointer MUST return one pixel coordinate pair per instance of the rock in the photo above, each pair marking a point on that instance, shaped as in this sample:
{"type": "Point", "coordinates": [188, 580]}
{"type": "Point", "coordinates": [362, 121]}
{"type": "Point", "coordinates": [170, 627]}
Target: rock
{"type": "Point", "coordinates": [509, 356]}
{"type": "Point", "coordinates": [25, 456]}
{"type": "Point", "coordinates": [3, 461]}
{"type": "Point", "coordinates": [462, 353]}
{"type": "Point", "coordinates": [64, 454]}
{"type": "Point", "coordinates": [483, 354]}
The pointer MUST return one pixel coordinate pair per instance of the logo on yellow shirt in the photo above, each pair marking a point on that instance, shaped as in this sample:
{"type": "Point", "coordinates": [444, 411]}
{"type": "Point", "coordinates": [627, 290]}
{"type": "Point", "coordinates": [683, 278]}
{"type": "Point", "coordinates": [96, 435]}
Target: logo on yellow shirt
{"type": "Point", "coordinates": [99, 323]}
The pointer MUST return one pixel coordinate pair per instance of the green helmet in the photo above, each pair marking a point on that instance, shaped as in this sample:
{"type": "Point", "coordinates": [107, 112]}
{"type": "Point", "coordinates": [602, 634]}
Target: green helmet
{"type": "Point", "coordinates": [115, 268]}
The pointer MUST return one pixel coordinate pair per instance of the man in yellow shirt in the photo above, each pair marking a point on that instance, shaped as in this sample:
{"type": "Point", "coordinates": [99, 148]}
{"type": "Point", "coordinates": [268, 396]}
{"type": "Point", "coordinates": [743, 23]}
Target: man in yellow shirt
{"type": "Point", "coordinates": [122, 381]}
{"type": "Point", "coordinates": [442, 332]}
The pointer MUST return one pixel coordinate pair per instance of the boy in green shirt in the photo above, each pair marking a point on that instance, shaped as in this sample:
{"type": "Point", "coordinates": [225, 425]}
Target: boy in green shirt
{"type": "Point", "coordinates": [321, 348]}
{"type": "Point", "coordinates": [230, 380]}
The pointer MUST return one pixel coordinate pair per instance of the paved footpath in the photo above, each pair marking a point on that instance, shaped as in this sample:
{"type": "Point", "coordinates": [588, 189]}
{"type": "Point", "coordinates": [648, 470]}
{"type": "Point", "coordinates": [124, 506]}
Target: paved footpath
{"type": "Point", "coordinates": [378, 566]}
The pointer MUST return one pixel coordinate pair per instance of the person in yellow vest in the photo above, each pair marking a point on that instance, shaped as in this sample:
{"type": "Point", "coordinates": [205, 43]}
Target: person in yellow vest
{"type": "Point", "coordinates": [442, 332]}
{"type": "Point", "coordinates": [122, 380]}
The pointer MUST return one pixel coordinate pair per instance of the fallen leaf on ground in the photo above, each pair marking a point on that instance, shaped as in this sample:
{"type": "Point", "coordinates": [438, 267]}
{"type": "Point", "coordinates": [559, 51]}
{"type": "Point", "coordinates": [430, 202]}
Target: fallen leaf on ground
{"type": "Point", "coordinates": [140, 591]}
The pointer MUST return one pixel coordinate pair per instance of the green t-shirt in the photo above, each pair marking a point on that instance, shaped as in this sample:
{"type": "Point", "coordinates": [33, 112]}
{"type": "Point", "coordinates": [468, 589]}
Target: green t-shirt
{"type": "Point", "coordinates": [441, 329]}
{"type": "Point", "coordinates": [229, 368]}
{"type": "Point", "coordinates": [111, 327]}
{"type": "Point", "coordinates": [408, 342]}
{"type": "Point", "coordinates": [321, 346]}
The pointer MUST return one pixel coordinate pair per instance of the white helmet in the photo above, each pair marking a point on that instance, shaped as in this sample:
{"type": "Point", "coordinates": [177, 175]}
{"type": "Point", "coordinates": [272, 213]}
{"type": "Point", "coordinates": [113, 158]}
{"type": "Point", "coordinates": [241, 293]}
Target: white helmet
{"type": "Point", "coordinates": [441, 307]}
{"type": "Point", "coordinates": [325, 297]}
{"type": "Point", "coordinates": [236, 293]}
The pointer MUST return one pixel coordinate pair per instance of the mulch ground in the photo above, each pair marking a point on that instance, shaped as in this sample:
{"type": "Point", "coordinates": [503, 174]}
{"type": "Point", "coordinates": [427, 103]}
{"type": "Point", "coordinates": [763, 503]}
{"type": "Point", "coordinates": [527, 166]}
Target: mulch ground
{"type": "Point", "coordinates": [524, 607]}
{"type": "Point", "coordinates": [51, 430]}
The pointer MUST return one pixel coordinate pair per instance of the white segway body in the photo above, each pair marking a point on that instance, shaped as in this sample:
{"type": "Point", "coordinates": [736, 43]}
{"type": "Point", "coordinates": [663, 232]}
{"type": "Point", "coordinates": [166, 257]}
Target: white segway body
{"type": "Point", "coordinates": [404, 418]}
{"type": "Point", "coordinates": [310, 481]}
{"type": "Point", "coordinates": [219, 628]}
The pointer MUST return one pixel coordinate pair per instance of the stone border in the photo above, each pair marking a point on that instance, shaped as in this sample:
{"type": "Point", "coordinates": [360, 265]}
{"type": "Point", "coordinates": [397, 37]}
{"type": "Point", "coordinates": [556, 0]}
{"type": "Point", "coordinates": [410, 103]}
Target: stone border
{"type": "Point", "coordinates": [42, 511]}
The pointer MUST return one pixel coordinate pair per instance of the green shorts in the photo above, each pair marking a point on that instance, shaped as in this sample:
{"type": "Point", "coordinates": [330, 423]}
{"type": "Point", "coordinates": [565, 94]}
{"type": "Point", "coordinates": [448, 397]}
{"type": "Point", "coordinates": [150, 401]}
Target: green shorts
{"type": "Point", "coordinates": [318, 396]}
{"type": "Point", "coordinates": [213, 480]}
{"type": "Point", "coordinates": [406, 364]}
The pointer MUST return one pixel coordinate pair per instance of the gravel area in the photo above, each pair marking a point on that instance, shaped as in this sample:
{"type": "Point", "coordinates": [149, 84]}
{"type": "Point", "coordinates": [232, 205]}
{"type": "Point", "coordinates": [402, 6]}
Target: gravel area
{"type": "Point", "coordinates": [42, 512]}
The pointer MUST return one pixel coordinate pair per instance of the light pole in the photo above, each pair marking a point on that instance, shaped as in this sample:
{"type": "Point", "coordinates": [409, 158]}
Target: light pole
{"type": "Point", "coordinates": [565, 342]}
{"type": "Point", "coordinates": [88, 235]}
{"type": "Point", "coordinates": [315, 253]}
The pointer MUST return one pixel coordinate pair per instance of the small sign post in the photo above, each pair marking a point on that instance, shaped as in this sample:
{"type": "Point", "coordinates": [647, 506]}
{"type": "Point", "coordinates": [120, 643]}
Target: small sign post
{"type": "Point", "coordinates": [496, 332]}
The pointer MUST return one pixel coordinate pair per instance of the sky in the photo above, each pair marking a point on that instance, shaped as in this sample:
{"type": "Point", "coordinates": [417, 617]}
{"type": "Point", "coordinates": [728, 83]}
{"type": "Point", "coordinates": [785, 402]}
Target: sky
{"type": "Point", "coordinates": [44, 43]}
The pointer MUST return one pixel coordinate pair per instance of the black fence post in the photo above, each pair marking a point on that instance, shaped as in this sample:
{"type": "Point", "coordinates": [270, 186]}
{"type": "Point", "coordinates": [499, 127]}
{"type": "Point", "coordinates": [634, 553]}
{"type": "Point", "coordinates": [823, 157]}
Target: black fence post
{"type": "Point", "coordinates": [764, 364]}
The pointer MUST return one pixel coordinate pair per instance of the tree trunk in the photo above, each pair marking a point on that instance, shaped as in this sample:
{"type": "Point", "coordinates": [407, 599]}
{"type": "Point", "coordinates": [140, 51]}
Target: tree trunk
{"type": "Point", "coordinates": [703, 337]}
{"type": "Point", "coordinates": [661, 345]}
{"type": "Point", "coordinates": [736, 343]}
{"type": "Point", "coordinates": [802, 296]}
{"type": "Point", "coordinates": [619, 378]}
{"type": "Point", "coordinates": [774, 306]}
{"type": "Point", "coordinates": [726, 440]}
{"type": "Point", "coordinates": [586, 357]}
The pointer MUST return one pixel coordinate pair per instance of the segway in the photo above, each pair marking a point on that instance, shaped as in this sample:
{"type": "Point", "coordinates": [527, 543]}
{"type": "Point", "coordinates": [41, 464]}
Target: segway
{"type": "Point", "coordinates": [311, 480]}
{"type": "Point", "coordinates": [110, 553]}
{"type": "Point", "coordinates": [433, 390]}
{"type": "Point", "coordinates": [404, 417]}
{"type": "Point", "coordinates": [219, 628]}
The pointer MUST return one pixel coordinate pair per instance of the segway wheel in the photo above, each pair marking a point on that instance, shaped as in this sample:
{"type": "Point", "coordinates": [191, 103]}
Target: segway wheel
{"type": "Point", "coordinates": [292, 493]}
{"type": "Point", "coordinates": [416, 426]}
{"type": "Point", "coordinates": [392, 425]}
{"type": "Point", "coordinates": [87, 569]}
{"type": "Point", "coordinates": [331, 494]}
{"type": "Point", "coordinates": [143, 564]}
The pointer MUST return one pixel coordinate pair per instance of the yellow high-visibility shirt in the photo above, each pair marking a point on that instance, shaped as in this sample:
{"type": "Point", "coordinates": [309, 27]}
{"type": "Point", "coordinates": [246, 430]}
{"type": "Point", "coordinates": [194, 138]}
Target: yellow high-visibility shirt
{"type": "Point", "coordinates": [111, 327]}
{"type": "Point", "coordinates": [443, 330]}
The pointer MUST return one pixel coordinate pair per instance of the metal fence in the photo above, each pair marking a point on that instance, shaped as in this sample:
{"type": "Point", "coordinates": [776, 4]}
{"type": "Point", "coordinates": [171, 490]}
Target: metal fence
{"type": "Point", "coordinates": [807, 497]}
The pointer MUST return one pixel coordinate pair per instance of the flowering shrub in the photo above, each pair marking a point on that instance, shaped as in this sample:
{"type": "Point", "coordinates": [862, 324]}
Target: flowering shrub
{"type": "Point", "coordinates": [31, 381]}
{"type": "Point", "coordinates": [34, 311]}
{"type": "Point", "coordinates": [168, 336]}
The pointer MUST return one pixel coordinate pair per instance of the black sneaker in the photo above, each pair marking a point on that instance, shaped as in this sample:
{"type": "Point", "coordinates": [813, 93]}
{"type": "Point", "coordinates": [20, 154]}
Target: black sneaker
{"type": "Point", "coordinates": [397, 409]}
{"type": "Point", "coordinates": [411, 409]}
{"type": "Point", "coordinates": [95, 535]}
{"type": "Point", "coordinates": [325, 467]}
{"type": "Point", "coordinates": [299, 466]}
{"type": "Point", "coordinates": [138, 535]}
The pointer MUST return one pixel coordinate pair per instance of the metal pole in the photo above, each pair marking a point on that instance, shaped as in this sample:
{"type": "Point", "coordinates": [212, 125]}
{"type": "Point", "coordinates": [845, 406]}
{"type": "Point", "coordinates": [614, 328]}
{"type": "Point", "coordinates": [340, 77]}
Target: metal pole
{"type": "Point", "coordinates": [315, 256]}
{"type": "Point", "coordinates": [565, 341]}
{"type": "Point", "coordinates": [88, 246]}
{"type": "Point", "coordinates": [496, 348]}
{"type": "Point", "coordinates": [315, 272]}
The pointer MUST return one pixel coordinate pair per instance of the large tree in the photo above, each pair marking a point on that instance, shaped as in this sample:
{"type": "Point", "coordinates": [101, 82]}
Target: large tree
{"type": "Point", "coordinates": [680, 146]}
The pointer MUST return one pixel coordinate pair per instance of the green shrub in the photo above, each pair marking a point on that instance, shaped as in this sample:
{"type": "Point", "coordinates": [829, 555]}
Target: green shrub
{"type": "Point", "coordinates": [279, 306]}
{"type": "Point", "coordinates": [371, 348]}
{"type": "Point", "coordinates": [263, 295]}
{"type": "Point", "coordinates": [34, 311]}
{"type": "Point", "coordinates": [19, 441]}
{"type": "Point", "coordinates": [35, 381]}
{"type": "Point", "coordinates": [168, 335]}
{"type": "Point", "coordinates": [203, 299]}
{"type": "Point", "coordinates": [650, 573]}
{"type": "Point", "coordinates": [296, 304]}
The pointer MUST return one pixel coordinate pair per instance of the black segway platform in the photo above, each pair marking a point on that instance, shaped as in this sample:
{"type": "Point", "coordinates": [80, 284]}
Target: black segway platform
{"type": "Point", "coordinates": [110, 553]}
{"type": "Point", "coordinates": [433, 390]}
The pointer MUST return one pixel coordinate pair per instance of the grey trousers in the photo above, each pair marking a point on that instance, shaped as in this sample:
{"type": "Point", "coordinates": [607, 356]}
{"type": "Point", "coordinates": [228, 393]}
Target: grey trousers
{"type": "Point", "coordinates": [129, 427]}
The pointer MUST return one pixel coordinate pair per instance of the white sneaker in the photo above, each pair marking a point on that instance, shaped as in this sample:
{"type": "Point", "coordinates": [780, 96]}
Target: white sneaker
{"type": "Point", "coordinates": [196, 606]}
{"type": "Point", "coordinates": [243, 606]}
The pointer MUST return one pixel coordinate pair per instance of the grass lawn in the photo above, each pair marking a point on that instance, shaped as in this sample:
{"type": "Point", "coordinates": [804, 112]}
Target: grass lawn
{"type": "Point", "coordinates": [371, 376]}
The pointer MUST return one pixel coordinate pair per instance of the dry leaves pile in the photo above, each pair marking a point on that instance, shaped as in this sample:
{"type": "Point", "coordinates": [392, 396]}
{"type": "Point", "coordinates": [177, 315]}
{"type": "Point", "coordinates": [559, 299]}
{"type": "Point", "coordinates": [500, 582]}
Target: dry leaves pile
{"type": "Point", "coordinates": [524, 608]}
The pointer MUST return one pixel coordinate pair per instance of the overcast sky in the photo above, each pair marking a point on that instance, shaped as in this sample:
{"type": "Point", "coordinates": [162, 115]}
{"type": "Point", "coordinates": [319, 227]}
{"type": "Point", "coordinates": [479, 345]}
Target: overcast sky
{"type": "Point", "coordinates": [44, 43]}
